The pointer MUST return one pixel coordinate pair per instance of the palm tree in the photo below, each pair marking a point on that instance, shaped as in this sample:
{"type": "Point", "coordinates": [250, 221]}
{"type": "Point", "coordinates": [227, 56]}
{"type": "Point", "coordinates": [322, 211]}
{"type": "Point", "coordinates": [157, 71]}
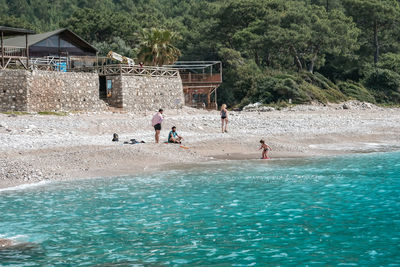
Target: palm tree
{"type": "Point", "coordinates": [156, 48]}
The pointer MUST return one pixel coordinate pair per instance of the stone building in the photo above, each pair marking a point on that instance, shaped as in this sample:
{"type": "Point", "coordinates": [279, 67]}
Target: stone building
{"type": "Point", "coordinates": [37, 90]}
{"type": "Point", "coordinates": [62, 74]}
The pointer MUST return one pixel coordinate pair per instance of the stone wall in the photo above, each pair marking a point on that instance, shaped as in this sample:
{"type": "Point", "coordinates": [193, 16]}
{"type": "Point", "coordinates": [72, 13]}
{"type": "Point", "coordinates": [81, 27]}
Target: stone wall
{"type": "Point", "coordinates": [72, 91]}
{"type": "Point", "coordinates": [64, 91]}
{"type": "Point", "coordinates": [13, 90]}
{"type": "Point", "coordinates": [22, 90]}
{"type": "Point", "coordinates": [151, 93]}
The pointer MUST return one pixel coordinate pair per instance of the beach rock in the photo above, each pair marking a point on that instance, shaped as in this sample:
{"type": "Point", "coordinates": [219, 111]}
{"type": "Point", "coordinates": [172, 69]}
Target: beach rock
{"type": "Point", "coordinates": [252, 107]}
{"type": "Point", "coordinates": [5, 243]}
{"type": "Point", "coordinates": [358, 105]}
{"type": "Point", "coordinates": [258, 107]}
{"type": "Point", "coordinates": [265, 108]}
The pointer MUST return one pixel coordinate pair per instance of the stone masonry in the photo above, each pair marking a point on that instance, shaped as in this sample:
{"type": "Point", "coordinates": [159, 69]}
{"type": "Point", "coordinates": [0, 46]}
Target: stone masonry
{"type": "Point", "coordinates": [64, 91]}
{"type": "Point", "coordinates": [35, 91]}
{"type": "Point", "coordinates": [22, 90]}
{"type": "Point", "coordinates": [146, 93]}
{"type": "Point", "coordinates": [13, 94]}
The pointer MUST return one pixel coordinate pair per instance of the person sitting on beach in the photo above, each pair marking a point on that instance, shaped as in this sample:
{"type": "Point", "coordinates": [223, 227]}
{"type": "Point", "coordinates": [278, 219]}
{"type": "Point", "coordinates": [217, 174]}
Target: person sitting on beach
{"type": "Point", "coordinates": [265, 149]}
{"type": "Point", "coordinates": [156, 122]}
{"type": "Point", "coordinates": [173, 136]}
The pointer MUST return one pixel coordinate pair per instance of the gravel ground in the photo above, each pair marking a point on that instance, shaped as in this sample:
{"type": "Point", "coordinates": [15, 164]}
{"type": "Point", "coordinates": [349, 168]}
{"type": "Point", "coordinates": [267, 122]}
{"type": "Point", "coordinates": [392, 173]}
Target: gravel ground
{"type": "Point", "coordinates": [47, 147]}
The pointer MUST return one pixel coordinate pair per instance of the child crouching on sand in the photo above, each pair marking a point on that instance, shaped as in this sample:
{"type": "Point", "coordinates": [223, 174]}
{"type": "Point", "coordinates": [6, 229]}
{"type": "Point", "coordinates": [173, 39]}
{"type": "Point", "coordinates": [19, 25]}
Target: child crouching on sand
{"type": "Point", "coordinates": [265, 149]}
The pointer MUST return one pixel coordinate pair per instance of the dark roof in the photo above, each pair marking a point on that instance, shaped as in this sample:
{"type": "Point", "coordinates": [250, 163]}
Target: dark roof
{"type": "Point", "coordinates": [9, 31]}
{"type": "Point", "coordinates": [19, 41]}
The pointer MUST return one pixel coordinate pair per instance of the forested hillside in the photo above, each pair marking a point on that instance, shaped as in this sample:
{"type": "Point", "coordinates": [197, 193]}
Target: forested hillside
{"type": "Point", "coordinates": [272, 50]}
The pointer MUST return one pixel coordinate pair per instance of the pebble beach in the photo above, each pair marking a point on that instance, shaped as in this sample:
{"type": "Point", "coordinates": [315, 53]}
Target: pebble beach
{"type": "Point", "coordinates": [35, 148]}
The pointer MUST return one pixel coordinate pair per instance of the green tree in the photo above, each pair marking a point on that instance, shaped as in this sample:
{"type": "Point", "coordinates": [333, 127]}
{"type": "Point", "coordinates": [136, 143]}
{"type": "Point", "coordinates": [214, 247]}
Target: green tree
{"type": "Point", "coordinates": [20, 8]}
{"type": "Point", "coordinates": [328, 4]}
{"type": "Point", "coordinates": [260, 42]}
{"type": "Point", "coordinates": [156, 47]}
{"type": "Point", "coordinates": [310, 32]}
{"type": "Point", "coordinates": [235, 16]}
{"type": "Point", "coordinates": [102, 25]}
{"type": "Point", "coordinates": [390, 61]}
{"type": "Point", "coordinates": [12, 21]}
{"type": "Point", "coordinates": [117, 45]}
{"type": "Point", "coordinates": [305, 32]}
{"type": "Point", "coordinates": [376, 18]}
{"type": "Point", "coordinates": [3, 7]}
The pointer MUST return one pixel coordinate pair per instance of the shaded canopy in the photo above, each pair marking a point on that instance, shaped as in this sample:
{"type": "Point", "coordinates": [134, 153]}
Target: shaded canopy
{"type": "Point", "coordinates": [59, 42]}
{"type": "Point", "coordinates": [10, 31]}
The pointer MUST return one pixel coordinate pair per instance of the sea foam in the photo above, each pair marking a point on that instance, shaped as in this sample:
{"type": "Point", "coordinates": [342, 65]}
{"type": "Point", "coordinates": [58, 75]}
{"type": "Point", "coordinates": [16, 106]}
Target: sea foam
{"type": "Point", "coordinates": [24, 186]}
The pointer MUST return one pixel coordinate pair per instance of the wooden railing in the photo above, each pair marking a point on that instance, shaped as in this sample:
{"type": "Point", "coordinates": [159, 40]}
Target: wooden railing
{"type": "Point", "coordinates": [47, 67]}
{"type": "Point", "coordinates": [117, 69]}
{"type": "Point", "coordinates": [13, 52]}
{"type": "Point", "coordinates": [112, 69]}
{"type": "Point", "coordinates": [201, 78]}
{"type": "Point", "coordinates": [138, 71]}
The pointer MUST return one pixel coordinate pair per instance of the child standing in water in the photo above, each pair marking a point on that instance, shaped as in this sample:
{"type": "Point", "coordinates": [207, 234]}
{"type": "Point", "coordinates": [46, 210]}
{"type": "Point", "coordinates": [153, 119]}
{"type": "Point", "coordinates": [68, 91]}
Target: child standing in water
{"type": "Point", "coordinates": [265, 149]}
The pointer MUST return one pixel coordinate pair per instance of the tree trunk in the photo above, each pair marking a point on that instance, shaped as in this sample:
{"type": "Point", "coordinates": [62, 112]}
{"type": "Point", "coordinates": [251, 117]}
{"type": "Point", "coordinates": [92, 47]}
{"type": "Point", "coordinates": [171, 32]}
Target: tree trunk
{"type": "Point", "coordinates": [296, 59]}
{"type": "Point", "coordinates": [257, 58]}
{"type": "Point", "coordinates": [269, 61]}
{"type": "Point", "coordinates": [298, 63]}
{"type": "Point", "coordinates": [311, 66]}
{"type": "Point", "coordinates": [312, 63]}
{"type": "Point", "coordinates": [376, 43]}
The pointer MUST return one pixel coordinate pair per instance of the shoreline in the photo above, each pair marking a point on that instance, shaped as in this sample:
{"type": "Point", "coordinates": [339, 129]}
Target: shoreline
{"type": "Point", "coordinates": [218, 159]}
{"type": "Point", "coordinates": [37, 148]}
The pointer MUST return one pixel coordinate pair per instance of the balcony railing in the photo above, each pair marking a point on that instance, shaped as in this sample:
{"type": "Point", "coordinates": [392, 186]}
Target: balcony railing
{"type": "Point", "coordinates": [117, 69]}
{"type": "Point", "coordinates": [201, 78]}
{"type": "Point", "coordinates": [13, 52]}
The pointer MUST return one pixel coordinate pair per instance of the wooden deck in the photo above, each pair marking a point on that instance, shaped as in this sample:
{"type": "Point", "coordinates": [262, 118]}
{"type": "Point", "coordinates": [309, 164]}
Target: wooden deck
{"type": "Point", "coordinates": [13, 56]}
{"type": "Point", "coordinates": [9, 55]}
{"type": "Point", "coordinates": [192, 78]}
{"type": "Point", "coordinates": [200, 80]}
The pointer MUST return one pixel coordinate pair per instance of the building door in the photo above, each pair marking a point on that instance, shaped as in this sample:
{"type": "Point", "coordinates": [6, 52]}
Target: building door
{"type": "Point", "coordinates": [102, 87]}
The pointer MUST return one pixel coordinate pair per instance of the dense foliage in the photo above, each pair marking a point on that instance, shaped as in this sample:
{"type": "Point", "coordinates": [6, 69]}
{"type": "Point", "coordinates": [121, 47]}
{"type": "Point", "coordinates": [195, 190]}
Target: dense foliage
{"type": "Point", "coordinates": [272, 50]}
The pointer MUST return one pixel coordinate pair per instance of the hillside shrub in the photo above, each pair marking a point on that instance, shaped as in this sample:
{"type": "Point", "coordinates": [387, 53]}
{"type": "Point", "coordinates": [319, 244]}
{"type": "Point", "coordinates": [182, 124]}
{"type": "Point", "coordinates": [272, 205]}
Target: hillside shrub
{"type": "Point", "coordinates": [313, 92]}
{"type": "Point", "coordinates": [245, 101]}
{"type": "Point", "coordinates": [385, 85]}
{"type": "Point", "coordinates": [300, 88]}
{"type": "Point", "coordinates": [334, 96]}
{"type": "Point", "coordinates": [318, 80]}
{"type": "Point", "coordinates": [356, 91]}
{"type": "Point", "coordinates": [383, 80]}
{"type": "Point", "coordinates": [275, 89]}
{"type": "Point", "coordinates": [390, 61]}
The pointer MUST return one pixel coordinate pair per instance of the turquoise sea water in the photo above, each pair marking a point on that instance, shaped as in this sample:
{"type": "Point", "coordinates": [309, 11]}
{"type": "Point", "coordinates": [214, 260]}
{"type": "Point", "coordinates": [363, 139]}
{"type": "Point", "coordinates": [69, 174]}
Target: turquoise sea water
{"type": "Point", "coordinates": [331, 211]}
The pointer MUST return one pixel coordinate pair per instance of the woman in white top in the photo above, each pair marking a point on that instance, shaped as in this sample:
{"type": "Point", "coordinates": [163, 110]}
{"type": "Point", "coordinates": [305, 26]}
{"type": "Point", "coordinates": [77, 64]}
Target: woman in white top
{"type": "Point", "coordinates": [224, 118]}
{"type": "Point", "coordinates": [156, 122]}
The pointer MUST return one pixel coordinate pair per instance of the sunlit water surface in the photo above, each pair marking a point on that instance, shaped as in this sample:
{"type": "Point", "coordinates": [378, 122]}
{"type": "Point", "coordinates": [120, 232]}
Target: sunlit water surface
{"type": "Point", "coordinates": [340, 210]}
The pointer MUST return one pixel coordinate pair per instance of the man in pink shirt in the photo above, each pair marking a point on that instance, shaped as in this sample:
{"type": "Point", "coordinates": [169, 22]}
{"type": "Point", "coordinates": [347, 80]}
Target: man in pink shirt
{"type": "Point", "coordinates": [156, 122]}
